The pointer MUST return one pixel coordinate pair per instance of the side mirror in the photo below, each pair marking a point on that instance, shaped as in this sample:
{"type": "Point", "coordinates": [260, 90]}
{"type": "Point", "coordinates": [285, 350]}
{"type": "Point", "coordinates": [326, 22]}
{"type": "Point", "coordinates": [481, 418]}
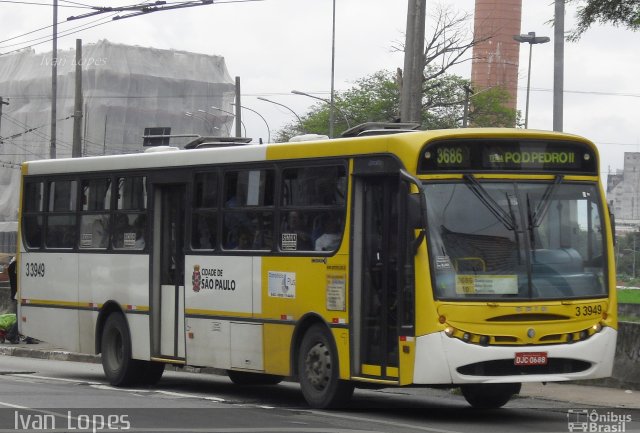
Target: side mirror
{"type": "Point", "coordinates": [414, 211]}
{"type": "Point", "coordinates": [612, 218]}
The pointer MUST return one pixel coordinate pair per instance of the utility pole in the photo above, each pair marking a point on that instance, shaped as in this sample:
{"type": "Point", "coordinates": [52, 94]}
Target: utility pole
{"type": "Point", "coordinates": [412, 77]}
{"type": "Point", "coordinates": [54, 81]}
{"type": "Point", "coordinates": [238, 109]}
{"type": "Point", "coordinates": [2, 102]}
{"type": "Point", "coordinates": [76, 150]}
{"type": "Point", "coordinates": [558, 65]}
{"type": "Point", "coordinates": [332, 106]}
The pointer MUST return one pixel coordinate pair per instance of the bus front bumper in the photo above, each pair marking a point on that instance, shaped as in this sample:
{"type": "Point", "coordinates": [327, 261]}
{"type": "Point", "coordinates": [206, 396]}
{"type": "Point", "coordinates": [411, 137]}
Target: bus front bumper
{"type": "Point", "coordinates": [444, 360]}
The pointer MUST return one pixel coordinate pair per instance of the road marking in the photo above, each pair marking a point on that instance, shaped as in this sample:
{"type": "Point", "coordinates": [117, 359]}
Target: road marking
{"type": "Point", "coordinates": [159, 391]}
{"type": "Point", "coordinates": [180, 394]}
{"type": "Point", "coordinates": [59, 379]}
{"type": "Point", "coordinates": [15, 406]}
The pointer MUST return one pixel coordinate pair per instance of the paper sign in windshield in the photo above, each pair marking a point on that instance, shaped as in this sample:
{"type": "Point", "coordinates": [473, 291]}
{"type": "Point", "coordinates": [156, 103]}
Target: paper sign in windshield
{"type": "Point", "coordinates": [487, 284]}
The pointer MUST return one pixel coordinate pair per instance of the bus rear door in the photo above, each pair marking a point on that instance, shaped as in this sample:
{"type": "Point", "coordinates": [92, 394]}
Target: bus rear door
{"type": "Point", "coordinates": [167, 287]}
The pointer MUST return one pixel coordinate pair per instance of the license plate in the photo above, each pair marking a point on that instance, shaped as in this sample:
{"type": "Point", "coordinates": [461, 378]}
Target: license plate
{"type": "Point", "coordinates": [530, 358]}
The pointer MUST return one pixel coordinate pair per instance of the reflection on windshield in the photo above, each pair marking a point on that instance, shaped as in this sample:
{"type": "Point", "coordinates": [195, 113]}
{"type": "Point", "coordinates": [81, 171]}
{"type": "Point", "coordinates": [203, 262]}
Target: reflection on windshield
{"type": "Point", "coordinates": [537, 240]}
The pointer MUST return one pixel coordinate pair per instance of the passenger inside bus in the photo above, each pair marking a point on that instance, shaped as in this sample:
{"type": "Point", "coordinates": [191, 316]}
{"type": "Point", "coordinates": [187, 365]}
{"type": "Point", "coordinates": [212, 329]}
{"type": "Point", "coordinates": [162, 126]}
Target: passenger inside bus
{"type": "Point", "coordinates": [296, 224]}
{"type": "Point", "coordinates": [329, 240]}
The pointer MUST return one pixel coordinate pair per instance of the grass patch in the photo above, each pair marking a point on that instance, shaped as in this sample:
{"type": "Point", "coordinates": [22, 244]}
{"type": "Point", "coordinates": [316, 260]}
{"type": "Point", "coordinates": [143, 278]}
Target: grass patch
{"type": "Point", "coordinates": [631, 319]}
{"type": "Point", "coordinates": [629, 296]}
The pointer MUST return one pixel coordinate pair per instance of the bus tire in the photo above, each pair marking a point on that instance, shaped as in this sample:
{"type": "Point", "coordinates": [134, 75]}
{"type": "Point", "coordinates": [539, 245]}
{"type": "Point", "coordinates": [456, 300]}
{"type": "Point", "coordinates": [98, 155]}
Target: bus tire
{"type": "Point", "coordinates": [246, 378]}
{"type": "Point", "coordinates": [489, 395]}
{"type": "Point", "coordinates": [150, 372]}
{"type": "Point", "coordinates": [319, 372]}
{"type": "Point", "coordinates": [119, 368]}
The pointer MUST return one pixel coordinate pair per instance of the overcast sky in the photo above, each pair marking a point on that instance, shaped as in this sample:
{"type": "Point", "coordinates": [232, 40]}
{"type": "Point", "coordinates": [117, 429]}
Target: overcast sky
{"type": "Point", "coordinates": [276, 46]}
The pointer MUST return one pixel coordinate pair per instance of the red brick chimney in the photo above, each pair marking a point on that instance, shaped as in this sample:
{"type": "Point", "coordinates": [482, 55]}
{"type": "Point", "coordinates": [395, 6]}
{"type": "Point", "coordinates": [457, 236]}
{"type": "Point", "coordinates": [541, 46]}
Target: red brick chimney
{"type": "Point", "coordinates": [495, 61]}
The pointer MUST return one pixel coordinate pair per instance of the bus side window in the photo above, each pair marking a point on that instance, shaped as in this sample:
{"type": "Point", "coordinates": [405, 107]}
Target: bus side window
{"type": "Point", "coordinates": [204, 223]}
{"type": "Point", "coordinates": [61, 220]}
{"type": "Point", "coordinates": [248, 216]}
{"type": "Point", "coordinates": [94, 221]}
{"type": "Point", "coordinates": [313, 199]}
{"type": "Point", "coordinates": [94, 231]}
{"type": "Point", "coordinates": [33, 208]}
{"type": "Point", "coordinates": [130, 218]}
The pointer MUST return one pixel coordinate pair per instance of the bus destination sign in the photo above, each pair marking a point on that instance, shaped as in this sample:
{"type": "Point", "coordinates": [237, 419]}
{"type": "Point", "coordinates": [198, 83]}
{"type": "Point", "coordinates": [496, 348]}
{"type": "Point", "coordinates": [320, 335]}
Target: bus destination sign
{"type": "Point", "coordinates": [523, 158]}
{"type": "Point", "coordinates": [507, 155]}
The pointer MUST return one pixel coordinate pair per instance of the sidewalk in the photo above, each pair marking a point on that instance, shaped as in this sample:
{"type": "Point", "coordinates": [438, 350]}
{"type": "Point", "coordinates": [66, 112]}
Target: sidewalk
{"type": "Point", "coordinates": [577, 395]}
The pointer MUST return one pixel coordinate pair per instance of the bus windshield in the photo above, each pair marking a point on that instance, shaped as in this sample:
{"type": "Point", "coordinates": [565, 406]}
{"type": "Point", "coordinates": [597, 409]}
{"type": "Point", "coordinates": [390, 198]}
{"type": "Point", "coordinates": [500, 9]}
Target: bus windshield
{"type": "Point", "coordinates": [506, 240]}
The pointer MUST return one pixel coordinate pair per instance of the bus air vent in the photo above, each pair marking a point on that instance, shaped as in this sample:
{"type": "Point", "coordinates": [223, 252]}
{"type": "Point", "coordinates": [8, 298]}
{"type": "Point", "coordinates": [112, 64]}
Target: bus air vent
{"type": "Point", "coordinates": [528, 317]}
{"type": "Point", "coordinates": [506, 367]}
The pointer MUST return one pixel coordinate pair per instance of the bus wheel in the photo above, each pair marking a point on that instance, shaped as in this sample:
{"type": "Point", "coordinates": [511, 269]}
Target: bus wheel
{"type": "Point", "coordinates": [319, 372]}
{"type": "Point", "coordinates": [150, 372]}
{"type": "Point", "coordinates": [245, 378]}
{"type": "Point", "coordinates": [119, 368]}
{"type": "Point", "coordinates": [489, 395]}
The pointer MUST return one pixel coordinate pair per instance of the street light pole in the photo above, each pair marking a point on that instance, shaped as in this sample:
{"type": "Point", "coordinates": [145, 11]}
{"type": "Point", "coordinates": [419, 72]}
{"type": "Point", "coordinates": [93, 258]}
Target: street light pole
{"type": "Point", "coordinates": [263, 119]}
{"type": "Point", "coordinates": [634, 256]}
{"type": "Point", "coordinates": [531, 39]}
{"type": "Point", "coordinates": [244, 128]}
{"type": "Point", "coordinates": [331, 104]}
{"type": "Point", "coordinates": [282, 105]}
{"type": "Point", "coordinates": [204, 119]}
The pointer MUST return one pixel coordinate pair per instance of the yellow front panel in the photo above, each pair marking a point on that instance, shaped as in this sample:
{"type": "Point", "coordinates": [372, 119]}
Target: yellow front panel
{"type": "Point", "coordinates": [407, 361]}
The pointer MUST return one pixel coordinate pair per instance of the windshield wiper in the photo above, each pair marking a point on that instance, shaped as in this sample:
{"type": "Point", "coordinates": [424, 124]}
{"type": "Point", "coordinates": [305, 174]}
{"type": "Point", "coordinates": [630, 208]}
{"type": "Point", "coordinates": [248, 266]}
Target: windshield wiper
{"type": "Point", "coordinates": [543, 205]}
{"type": "Point", "coordinates": [506, 218]}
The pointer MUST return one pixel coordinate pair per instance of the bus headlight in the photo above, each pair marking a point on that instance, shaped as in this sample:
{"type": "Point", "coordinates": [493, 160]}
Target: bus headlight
{"type": "Point", "coordinates": [449, 331]}
{"type": "Point", "coordinates": [597, 328]}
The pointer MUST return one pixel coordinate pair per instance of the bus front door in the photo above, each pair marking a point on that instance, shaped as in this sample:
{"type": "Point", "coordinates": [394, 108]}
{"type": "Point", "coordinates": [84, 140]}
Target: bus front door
{"type": "Point", "coordinates": [167, 294]}
{"type": "Point", "coordinates": [377, 278]}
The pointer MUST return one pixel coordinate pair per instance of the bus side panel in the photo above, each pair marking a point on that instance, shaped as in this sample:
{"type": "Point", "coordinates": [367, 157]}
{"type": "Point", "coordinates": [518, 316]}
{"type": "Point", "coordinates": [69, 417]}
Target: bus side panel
{"type": "Point", "coordinates": [277, 338]}
{"type": "Point", "coordinates": [208, 342]}
{"type": "Point", "coordinates": [298, 287]}
{"type": "Point", "coordinates": [121, 277]}
{"type": "Point", "coordinates": [217, 287]}
{"type": "Point", "coordinates": [49, 298]}
{"type": "Point", "coordinates": [140, 341]}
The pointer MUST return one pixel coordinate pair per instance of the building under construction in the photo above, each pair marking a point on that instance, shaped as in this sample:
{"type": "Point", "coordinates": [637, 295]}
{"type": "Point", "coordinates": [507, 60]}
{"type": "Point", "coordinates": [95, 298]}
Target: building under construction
{"type": "Point", "coordinates": [126, 90]}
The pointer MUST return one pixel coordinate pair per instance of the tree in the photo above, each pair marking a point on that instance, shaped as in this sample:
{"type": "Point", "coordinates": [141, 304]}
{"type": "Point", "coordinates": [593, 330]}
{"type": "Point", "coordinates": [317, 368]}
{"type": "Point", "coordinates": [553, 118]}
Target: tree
{"type": "Point", "coordinates": [376, 98]}
{"type": "Point", "coordinates": [624, 13]}
{"type": "Point", "coordinates": [628, 259]}
{"type": "Point", "coordinates": [445, 46]}
{"type": "Point", "coordinates": [488, 108]}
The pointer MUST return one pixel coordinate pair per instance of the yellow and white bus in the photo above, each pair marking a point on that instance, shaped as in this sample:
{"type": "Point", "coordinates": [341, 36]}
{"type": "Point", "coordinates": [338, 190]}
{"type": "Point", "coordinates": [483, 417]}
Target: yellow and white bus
{"type": "Point", "coordinates": [471, 258]}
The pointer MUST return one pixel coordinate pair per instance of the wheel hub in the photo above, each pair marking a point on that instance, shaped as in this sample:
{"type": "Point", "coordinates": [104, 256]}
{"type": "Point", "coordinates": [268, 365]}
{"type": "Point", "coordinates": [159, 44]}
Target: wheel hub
{"type": "Point", "coordinates": [318, 366]}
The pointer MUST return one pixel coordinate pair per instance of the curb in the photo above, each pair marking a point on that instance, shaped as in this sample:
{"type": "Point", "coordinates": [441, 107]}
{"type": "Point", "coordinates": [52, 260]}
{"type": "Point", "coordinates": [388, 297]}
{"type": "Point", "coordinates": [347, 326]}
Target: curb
{"type": "Point", "coordinates": [63, 355]}
{"type": "Point", "coordinates": [55, 355]}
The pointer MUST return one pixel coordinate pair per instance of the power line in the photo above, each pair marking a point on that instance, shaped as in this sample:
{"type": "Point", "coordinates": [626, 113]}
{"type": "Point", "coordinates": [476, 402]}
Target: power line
{"type": "Point", "coordinates": [49, 38]}
{"type": "Point", "coordinates": [34, 130]}
{"type": "Point", "coordinates": [142, 8]}
{"type": "Point", "coordinates": [587, 92]}
{"type": "Point", "coordinates": [45, 4]}
{"type": "Point", "coordinates": [76, 3]}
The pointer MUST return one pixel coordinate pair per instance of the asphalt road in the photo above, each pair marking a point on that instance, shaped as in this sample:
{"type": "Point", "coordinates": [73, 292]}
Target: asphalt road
{"type": "Point", "coordinates": [48, 395]}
